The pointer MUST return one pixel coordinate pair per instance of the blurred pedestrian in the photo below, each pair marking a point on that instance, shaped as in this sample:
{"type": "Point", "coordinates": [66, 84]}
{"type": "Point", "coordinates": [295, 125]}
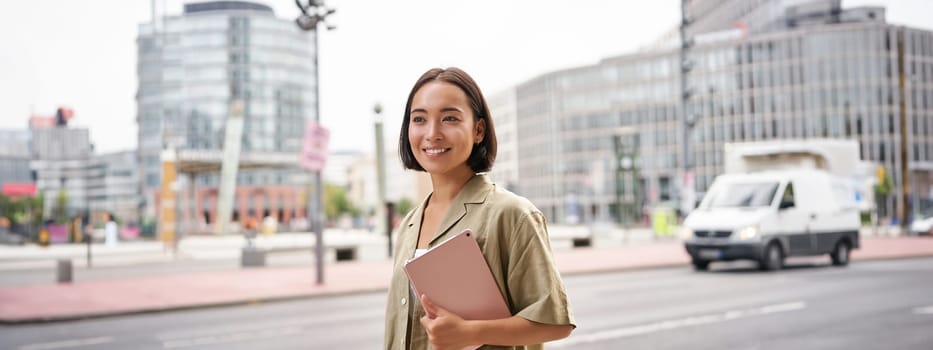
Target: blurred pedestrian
{"type": "Point", "coordinates": [87, 228]}
{"type": "Point", "coordinates": [250, 226]}
{"type": "Point", "coordinates": [110, 231]}
{"type": "Point", "coordinates": [269, 224]}
{"type": "Point", "coordinates": [447, 131]}
{"type": "Point", "coordinates": [75, 229]}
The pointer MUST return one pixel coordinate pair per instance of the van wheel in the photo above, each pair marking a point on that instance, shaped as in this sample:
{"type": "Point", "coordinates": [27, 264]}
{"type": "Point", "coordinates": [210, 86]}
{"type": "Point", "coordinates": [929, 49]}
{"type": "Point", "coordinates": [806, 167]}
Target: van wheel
{"type": "Point", "coordinates": [700, 265]}
{"type": "Point", "coordinates": [840, 255]}
{"type": "Point", "coordinates": [773, 259]}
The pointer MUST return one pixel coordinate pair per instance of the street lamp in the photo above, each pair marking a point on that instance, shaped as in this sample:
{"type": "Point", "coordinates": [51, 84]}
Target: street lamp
{"type": "Point", "coordinates": [687, 193]}
{"type": "Point", "coordinates": [383, 215]}
{"type": "Point", "coordinates": [627, 190]}
{"type": "Point", "coordinates": [313, 14]}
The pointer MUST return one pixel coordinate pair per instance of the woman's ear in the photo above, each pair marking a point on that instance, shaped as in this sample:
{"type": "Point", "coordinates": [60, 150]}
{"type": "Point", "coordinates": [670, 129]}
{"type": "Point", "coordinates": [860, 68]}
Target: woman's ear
{"type": "Point", "coordinates": [480, 130]}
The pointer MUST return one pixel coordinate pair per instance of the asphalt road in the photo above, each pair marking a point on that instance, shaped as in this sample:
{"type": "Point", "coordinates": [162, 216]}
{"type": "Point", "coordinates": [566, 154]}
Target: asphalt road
{"type": "Point", "coordinates": [868, 305]}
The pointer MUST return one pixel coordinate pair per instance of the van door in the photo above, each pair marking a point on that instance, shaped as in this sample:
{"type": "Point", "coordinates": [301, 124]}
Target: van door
{"type": "Point", "coordinates": [793, 222]}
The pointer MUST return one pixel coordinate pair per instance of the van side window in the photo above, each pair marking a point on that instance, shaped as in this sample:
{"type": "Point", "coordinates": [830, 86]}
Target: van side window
{"type": "Point", "coordinates": [787, 199]}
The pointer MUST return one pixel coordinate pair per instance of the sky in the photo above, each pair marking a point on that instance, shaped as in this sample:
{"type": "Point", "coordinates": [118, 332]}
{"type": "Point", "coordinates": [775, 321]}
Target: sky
{"type": "Point", "coordinates": [82, 54]}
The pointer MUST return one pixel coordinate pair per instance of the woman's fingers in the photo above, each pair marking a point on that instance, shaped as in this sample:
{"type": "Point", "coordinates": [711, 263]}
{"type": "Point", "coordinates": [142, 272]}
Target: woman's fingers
{"type": "Point", "coordinates": [429, 308]}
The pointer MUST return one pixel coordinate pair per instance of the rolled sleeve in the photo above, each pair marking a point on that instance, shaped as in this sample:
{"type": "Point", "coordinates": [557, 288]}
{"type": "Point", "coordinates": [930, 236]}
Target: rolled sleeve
{"type": "Point", "coordinates": [534, 284]}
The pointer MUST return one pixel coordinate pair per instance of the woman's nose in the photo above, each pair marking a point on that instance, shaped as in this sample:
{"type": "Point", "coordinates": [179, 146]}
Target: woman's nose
{"type": "Point", "coordinates": [434, 131]}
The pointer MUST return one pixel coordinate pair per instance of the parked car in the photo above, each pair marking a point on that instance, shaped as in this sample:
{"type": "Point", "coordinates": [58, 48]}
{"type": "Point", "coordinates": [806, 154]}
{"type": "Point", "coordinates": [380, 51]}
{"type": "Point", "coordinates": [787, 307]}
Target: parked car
{"type": "Point", "coordinates": [922, 224]}
{"type": "Point", "coordinates": [767, 216]}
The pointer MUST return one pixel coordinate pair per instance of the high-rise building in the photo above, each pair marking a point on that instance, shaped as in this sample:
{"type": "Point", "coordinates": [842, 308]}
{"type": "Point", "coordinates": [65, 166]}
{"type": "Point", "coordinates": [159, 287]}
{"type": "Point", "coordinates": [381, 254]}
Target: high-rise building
{"type": "Point", "coordinates": [60, 157]}
{"type": "Point", "coordinates": [14, 157]}
{"type": "Point", "coordinates": [95, 184]}
{"type": "Point", "coordinates": [760, 70]}
{"type": "Point", "coordinates": [66, 171]}
{"type": "Point", "coordinates": [191, 68]}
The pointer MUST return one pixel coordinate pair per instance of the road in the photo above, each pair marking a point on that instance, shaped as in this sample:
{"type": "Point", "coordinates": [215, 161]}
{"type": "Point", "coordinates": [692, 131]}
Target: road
{"type": "Point", "coordinates": [868, 305]}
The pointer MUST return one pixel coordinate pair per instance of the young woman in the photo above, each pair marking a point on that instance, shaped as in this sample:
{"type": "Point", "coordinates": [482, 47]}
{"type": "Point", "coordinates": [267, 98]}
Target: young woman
{"type": "Point", "coordinates": [448, 133]}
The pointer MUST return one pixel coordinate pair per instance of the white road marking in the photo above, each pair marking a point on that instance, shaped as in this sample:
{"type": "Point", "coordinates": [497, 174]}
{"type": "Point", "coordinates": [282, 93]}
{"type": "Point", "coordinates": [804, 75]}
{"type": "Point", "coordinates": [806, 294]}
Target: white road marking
{"type": "Point", "coordinates": [67, 343]}
{"type": "Point", "coordinates": [230, 338]}
{"type": "Point", "coordinates": [676, 323]}
{"type": "Point", "coordinates": [261, 326]}
{"type": "Point", "coordinates": [928, 310]}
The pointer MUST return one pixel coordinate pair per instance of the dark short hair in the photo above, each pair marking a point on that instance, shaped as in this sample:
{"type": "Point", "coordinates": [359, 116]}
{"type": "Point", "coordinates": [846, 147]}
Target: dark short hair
{"type": "Point", "coordinates": [484, 153]}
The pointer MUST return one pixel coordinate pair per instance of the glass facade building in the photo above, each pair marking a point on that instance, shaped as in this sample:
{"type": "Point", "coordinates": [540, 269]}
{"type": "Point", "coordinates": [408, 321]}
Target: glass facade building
{"type": "Point", "coordinates": [801, 72]}
{"type": "Point", "coordinates": [113, 186]}
{"type": "Point", "coordinates": [14, 156]}
{"type": "Point", "coordinates": [193, 66]}
{"type": "Point", "coordinates": [60, 161]}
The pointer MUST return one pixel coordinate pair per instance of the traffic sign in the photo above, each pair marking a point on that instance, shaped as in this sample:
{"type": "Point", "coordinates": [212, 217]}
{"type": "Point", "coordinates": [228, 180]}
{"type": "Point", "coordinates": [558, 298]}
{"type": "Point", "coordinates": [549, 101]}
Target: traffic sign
{"type": "Point", "coordinates": [314, 150]}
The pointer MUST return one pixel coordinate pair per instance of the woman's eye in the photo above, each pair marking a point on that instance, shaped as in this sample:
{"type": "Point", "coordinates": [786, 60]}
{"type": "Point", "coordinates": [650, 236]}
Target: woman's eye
{"type": "Point", "coordinates": [417, 119]}
{"type": "Point", "coordinates": [450, 118]}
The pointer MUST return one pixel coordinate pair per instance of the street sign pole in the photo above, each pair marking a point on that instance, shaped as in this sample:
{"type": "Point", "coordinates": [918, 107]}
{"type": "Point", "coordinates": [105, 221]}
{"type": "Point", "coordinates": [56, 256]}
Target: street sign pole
{"type": "Point", "coordinates": [313, 158]}
{"type": "Point", "coordinates": [383, 215]}
{"type": "Point", "coordinates": [312, 15]}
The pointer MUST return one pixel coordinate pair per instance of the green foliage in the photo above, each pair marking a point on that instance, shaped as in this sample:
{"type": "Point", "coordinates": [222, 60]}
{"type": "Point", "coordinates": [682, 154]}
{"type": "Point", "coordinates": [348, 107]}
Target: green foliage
{"type": "Point", "coordinates": [403, 207]}
{"type": "Point", "coordinates": [60, 210]}
{"type": "Point", "coordinates": [148, 227]}
{"type": "Point", "coordinates": [336, 202]}
{"type": "Point", "coordinates": [21, 210]}
{"type": "Point", "coordinates": [885, 187]}
{"type": "Point", "coordinates": [882, 190]}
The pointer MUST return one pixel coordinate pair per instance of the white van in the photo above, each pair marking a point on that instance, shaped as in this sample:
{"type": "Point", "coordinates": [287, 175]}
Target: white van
{"type": "Point", "coordinates": [770, 215]}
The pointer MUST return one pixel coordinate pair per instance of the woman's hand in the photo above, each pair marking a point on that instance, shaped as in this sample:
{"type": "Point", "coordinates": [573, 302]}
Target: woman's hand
{"type": "Point", "coordinates": [445, 329]}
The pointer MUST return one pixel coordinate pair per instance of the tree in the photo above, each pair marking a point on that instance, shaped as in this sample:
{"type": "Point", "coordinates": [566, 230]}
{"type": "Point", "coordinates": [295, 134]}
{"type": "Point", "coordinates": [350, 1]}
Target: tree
{"type": "Point", "coordinates": [6, 207]}
{"type": "Point", "coordinates": [24, 212]}
{"type": "Point", "coordinates": [60, 211]}
{"type": "Point", "coordinates": [336, 202]}
{"type": "Point", "coordinates": [883, 188]}
{"type": "Point", "coordinates": [403, 207]}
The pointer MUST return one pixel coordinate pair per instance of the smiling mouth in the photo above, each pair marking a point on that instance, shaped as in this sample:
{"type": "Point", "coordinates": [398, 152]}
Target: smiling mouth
{"type": "Point", "coordinates": [435, 151]}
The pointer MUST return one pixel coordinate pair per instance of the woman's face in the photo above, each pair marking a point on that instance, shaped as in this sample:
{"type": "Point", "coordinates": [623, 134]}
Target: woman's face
{"type": "Point", "coordinates": [442, 128]}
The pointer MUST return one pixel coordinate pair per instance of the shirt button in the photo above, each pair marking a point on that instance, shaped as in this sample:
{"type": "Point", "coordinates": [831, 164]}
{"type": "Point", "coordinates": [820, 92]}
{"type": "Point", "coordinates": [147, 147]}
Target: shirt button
{"type": "Point", "coordinates": [403, 301]}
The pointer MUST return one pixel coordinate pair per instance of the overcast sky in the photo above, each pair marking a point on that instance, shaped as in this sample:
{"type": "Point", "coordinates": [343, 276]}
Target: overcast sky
{"type": "Point", "coordinates": [82, 54]}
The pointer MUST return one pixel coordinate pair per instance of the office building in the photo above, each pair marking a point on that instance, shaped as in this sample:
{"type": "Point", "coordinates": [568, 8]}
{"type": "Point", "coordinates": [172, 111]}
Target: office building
{"type": "Point", "coordinates": [502, 107]}
{"type": "Point", "coordinates": [66, 169]}
{"type": "Point", "coordinates": [60, 159]}
{"type": "Point", "coordinates": [192, 66]}
{"type": "Point", "coordinates": [114, 186]}
{"type": "Point", "coordinates": [759, 70]}
{"type": "Point", "coordinates": [14, 157]}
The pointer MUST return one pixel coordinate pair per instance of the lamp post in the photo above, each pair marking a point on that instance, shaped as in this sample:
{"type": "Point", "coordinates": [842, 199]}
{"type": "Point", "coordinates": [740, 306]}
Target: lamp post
{"type": "Point", "coordinates": [688, 119]}
{"type": "Point", "coordinates": [383, 216]}
{"type": "Point", "coordinates": [626, 171]}
{"type": "Point", "coordinates": [312, 15]}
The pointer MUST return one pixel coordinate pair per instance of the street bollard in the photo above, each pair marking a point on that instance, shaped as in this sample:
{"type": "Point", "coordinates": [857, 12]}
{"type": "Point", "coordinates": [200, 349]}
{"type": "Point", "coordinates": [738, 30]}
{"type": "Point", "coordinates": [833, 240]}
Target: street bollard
{"type": "Point", "coordinates": [252, 257]}
{"type": "Point", "coordinates": [64, 271]}
{"type": "Point", "coordinates": [580, 242]}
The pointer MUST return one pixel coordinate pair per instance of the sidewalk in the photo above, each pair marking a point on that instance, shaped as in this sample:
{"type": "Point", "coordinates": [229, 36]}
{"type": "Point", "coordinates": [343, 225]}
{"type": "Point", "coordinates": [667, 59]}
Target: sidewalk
{"type": "Point", "coordinates": [370, 246]}
{"type": "Point", "coordinates": [58, 302]}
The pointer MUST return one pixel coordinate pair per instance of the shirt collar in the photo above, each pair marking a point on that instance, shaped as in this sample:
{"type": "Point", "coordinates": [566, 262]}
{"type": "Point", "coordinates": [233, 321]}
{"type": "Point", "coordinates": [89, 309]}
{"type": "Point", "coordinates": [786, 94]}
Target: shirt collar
{"type": "Point", "coordinates": [474, 191]}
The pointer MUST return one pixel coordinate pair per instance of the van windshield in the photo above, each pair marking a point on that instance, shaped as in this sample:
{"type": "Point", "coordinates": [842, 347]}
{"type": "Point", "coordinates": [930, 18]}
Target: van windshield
{"type": "Point", "coordinates": [744, 195]}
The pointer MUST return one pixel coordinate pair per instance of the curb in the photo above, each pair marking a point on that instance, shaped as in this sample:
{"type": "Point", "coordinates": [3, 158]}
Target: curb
{"type": "Point", "coordinates": [275, 299]}
{"type": "Point", "coordinates": [205, 306]}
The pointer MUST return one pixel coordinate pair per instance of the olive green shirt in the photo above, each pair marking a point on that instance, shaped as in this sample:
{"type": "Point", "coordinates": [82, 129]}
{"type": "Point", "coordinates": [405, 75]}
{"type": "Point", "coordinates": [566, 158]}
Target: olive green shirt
{"type": "Point", "coordinates": [512, 234]}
